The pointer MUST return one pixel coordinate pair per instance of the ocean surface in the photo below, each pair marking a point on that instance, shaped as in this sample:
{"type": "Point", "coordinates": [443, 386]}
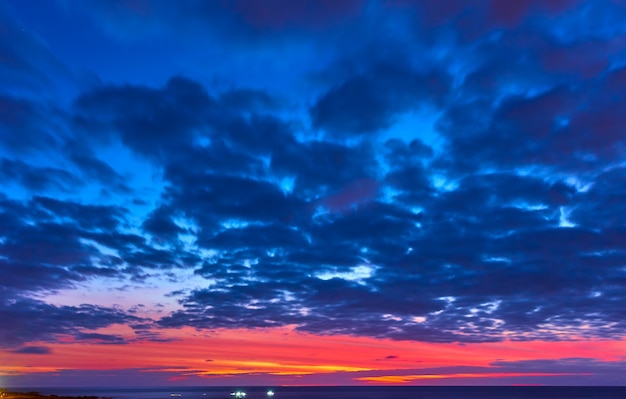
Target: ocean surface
{"type": "Point", "coordinates": [344, 392]}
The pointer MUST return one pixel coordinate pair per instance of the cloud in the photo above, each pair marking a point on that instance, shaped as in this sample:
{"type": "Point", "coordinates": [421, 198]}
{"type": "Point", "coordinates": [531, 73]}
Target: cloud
{"type": "Point", "coordinates": [368, 103]}
{"type": "Point", "coordinates": [574, 372]}
{"type": "Point", "coordinates": [498, 218]}
{"type": "Point", "coordinates": [36, 178]}
{"type": "Point", "coordinates": [33, 350]}
{"type": "Point", "coordinates": [95, 169]}
{"type": "Point", "coordinates": [151, 122]}
{"type": "Point", "coordinates": [30, 320]}
{"type": "Point", "coordinates": [160, 224]}
{"type": "Point", "coordinates": [100, 338]}
{"type": "Point", "coordinates": [28, 125]}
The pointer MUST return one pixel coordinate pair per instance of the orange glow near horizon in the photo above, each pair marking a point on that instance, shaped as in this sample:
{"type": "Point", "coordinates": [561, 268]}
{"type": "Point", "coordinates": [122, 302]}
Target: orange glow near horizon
{"type": "Point", "coordinates": [284, 351]}
{"type": "Point", "coordinates": [404, 379]}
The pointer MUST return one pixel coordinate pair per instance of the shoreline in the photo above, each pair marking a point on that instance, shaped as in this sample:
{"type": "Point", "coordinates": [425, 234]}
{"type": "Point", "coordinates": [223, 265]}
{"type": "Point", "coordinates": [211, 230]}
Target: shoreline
{"type": "Point", "coordinates": [6, 394]}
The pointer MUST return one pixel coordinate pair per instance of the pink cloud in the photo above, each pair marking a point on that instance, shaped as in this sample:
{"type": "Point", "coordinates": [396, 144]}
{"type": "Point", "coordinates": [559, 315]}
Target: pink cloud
{"type": "Point", "coordinates": [357, 193]}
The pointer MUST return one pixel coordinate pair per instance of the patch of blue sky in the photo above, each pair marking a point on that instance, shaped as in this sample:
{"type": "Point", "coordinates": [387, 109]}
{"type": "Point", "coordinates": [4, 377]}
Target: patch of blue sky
{"type": "Point", "coordinates": [55, 187]}
{"type": "Point", "coordinates": [490, 307]}
{"type": "Point", "coordinates": [153, 292]}
{"type": "Point", "coordinates": [303, 311]}
{"type": "Point", "coordinates": [287, 184]}
{"type": "Point", "coordinates": [140, 175]}
{"type": "Point", "coordinates": [267, 161]}
{"type": "Point", "coordinates": [417, 124]}
{"type": "Point", "coordinates": [564, 217]}
{"type": "Point", "coordinates": [137, 174]}
{"type": "Point", "coordinates": [210, 255]}
{"type": "Point", "coordinates": [442, 183]}
{"type": "Point", "coordinates": [296, 114]}
{"type": "Point", "coordinates": [416, 210]}
{"type": "Point", "coordinates": [447, 299]}
{"type": "Point", "coordinates": [496, 259]}
{"type": "Point", "coordinates": [104, 250]}
{"type": "Point", "coordinates": [391, 317]}
{"type": "Point", "coordinates": [357, 274]}
{"type": "Point", "coordinates": [188, 237]}
{"type": "Point", "coordinates": [253, 304]}
{"type": "Point", "coordinates": [235, 224]}
{"type": "Point", "coordinates": [389, 194]}
{"type": "Point", "coordinates": [561, 122]}
{"type": "Point", "coordinates": [579, 184]}
{"type": "Point", "coordinates": [529, 206]}
{"type": "Point", "coordinates": [16, 191]}
{"type": "Point", "coordinates": [536, 171]}
{"type": "Point", "coordinates": [201, 141]}
{"type": "Point", "coordinates": [287, 296]}
{"type": "Point", "coordinates": [250, 262]}
{"type": "Point", "coordinates": [318, 212]}
{"type": "Point", "coordinates": [457, 60]}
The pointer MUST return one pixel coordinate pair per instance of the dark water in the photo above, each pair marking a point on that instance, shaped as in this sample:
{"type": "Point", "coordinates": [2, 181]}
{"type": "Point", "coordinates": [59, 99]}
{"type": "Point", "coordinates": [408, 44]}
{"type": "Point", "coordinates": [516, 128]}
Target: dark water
{"type": "Point", "coordinates": [347, 392]}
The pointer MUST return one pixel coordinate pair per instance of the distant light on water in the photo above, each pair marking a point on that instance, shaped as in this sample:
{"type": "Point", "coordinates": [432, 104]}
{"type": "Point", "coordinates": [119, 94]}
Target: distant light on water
{"type": "Point", "coordinates": [270, 393]}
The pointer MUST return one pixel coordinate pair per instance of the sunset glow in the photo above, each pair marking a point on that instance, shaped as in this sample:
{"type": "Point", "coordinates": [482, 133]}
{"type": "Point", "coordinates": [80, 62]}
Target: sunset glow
{"type": "Point", "coordinates": [284, 352]}
{"type": "Point", "coordinates": [406, 379]}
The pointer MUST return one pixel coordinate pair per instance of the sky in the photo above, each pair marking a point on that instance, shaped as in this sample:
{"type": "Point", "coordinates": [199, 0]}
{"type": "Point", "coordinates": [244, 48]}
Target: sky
{"type": "Point", "coordinates": [312, 192]}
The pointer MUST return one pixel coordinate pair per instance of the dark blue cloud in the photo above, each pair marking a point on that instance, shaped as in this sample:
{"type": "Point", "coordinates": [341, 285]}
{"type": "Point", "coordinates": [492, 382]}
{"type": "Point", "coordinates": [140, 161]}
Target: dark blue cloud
{"type": "Point", "coordinates": [26, 125]}
{"type": "Point", "coordinates": [33, 350]}
{"type": "Point", "coordinates": [368, 103]}
{"type": "Point", "coordinates": [31, 320]}
{"type": "Point", "coordinates": [94, 169]}
{"type": "Point", "coordinates": [36, 178]}
{"type": "Point", "coordinates": [151, 122]}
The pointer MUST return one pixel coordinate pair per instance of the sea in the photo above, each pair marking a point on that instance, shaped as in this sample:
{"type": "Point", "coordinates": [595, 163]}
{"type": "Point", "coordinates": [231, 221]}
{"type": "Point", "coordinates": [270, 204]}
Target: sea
{"type": "Point", "coordinates": [378, 392]}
